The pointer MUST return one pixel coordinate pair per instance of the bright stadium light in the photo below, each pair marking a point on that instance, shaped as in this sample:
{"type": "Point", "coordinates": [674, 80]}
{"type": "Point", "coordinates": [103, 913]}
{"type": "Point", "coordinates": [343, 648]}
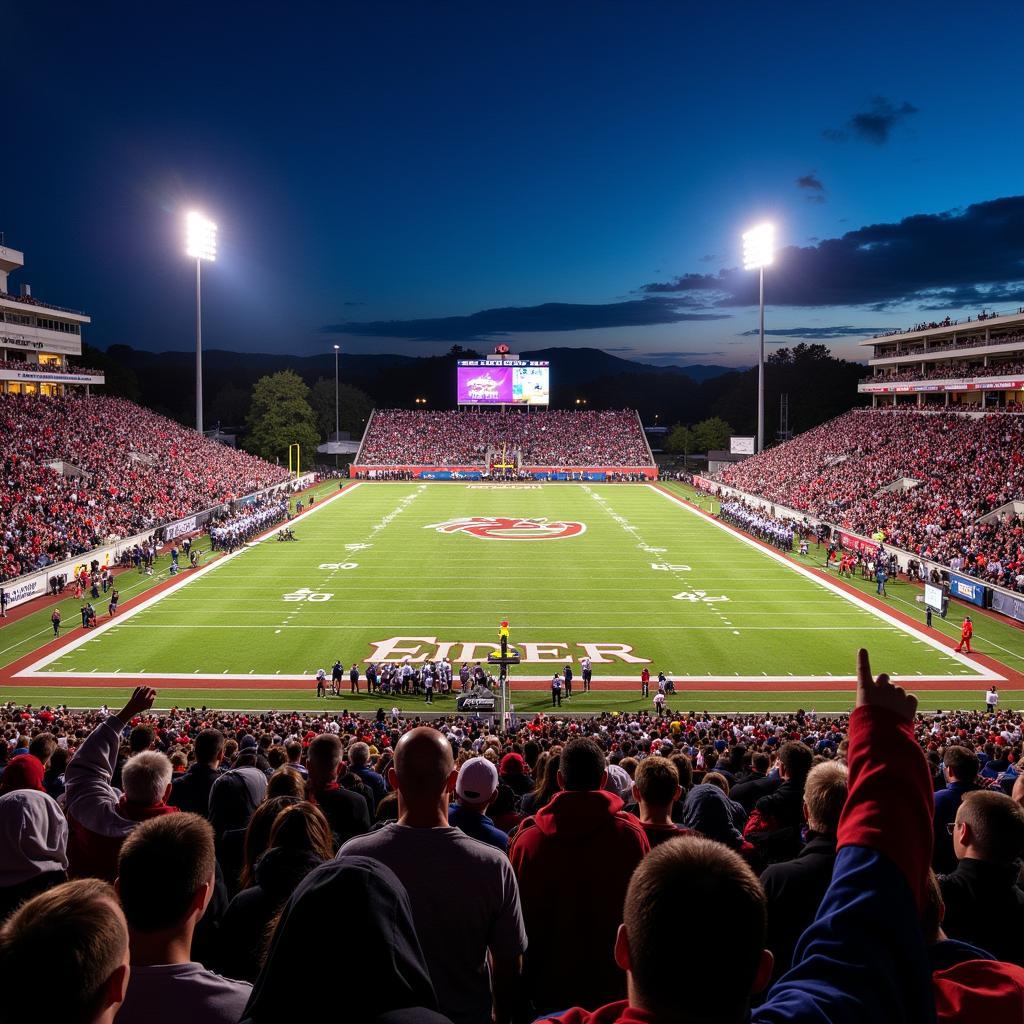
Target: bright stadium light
{"type": "Point", "coordinates": [758, 253]}
{"type": "Point", "coordinates": [759, 247]}
{"type": "Point", "coordinates": [200, 244]}
{"type": "Point", "coordinates": [200, 237]}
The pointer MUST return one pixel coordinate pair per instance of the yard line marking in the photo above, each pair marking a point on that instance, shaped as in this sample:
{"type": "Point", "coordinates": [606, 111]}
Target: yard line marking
{"type": "Point", "coordinates": [156, 598]}
{"type": "Point", "coordinates": [979, 671]}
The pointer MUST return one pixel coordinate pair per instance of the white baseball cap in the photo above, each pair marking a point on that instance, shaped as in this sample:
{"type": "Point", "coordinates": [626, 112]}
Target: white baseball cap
{"type": "Point", "coordinates": [477, 782]}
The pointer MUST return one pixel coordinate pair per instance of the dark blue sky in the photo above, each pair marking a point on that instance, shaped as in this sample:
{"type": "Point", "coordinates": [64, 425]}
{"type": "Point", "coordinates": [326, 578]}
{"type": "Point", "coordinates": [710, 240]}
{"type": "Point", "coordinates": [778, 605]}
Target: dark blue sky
{"type": "Point", "coordinates": [413, 175]}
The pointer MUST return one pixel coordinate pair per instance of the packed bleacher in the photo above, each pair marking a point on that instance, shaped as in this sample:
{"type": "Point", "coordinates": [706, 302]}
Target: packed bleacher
{"type": "Point", "coordinates": [948, 372]}
{"type": "Point", "coordinates": [24, 364]}
{"type": "Point", "coordinates": [861, 867]}
{"type": "Point", "coordinates": [966, 468]}
{"type": "Point", "coordinates": [398, 437]}
{"type": "Point", "coordinates": [132, 470]}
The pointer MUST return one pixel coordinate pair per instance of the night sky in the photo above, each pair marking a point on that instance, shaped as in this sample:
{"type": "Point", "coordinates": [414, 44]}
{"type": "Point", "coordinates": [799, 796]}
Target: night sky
{"type": "Point", "coordinates": [400, 177]}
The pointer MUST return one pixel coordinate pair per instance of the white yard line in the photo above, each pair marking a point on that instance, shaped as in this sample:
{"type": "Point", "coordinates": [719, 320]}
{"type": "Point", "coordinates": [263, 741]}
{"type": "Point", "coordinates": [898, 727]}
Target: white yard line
{"type": "Point", "coordinates": [35, 668]}
{"type": "Point", "coordinates": [979, 671]}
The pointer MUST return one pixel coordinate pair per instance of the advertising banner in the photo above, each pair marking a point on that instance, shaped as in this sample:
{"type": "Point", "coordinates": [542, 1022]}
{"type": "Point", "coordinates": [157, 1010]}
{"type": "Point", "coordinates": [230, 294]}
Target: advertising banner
{"type": "Point", "coordinates": [966, 589]}
{"type": "Point", "coordinates": [853, 543]}
{"type": "Point", "coordinates": [1008, 604]}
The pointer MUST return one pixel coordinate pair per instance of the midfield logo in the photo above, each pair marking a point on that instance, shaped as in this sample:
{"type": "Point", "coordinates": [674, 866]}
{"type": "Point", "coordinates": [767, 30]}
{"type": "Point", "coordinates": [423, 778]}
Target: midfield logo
{"type": "Point", "coordinates": [501, 528]}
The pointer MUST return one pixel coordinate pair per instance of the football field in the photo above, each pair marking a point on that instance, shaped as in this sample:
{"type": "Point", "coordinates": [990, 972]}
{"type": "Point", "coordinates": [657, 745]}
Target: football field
{"type": "Point", "coordinates": [629, 576]}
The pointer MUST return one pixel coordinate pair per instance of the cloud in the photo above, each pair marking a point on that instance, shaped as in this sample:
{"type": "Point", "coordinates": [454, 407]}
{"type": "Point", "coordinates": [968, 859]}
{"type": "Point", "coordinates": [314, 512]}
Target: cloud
{"type": "Point", "coordinates": [818, 333]}
{"type": "Point", "coordinates": [876, 124]}
{"type": "Point", "coordinates": [813, 187]}
{"type": "Point", "coordinates": [551, 316]}
{"type": "Point", "coordinates": [969, 256]}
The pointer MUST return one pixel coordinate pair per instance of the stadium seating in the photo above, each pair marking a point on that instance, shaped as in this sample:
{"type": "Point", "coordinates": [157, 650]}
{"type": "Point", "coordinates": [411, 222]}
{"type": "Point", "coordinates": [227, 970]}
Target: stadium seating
{"type": "Point", "coordinates": [967, 467]}
{"type": "Point", "coordinates": [132, 471]}
{"type": "Point", "coordinates": [947, 372]}
{"type": "Point", "coordinates": [399, 437]}
{"type": "Point", "coordinates": [836, 813]}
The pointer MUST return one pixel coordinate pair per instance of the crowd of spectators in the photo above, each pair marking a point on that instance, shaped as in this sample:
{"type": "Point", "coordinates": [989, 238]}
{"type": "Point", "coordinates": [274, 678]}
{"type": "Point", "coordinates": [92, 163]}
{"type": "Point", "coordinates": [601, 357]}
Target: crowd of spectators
{"type": "Point", "coordinates": [563, 438]}
{"type": "Point", "coordinates": [947, 372]}
{"type": "Point", "coordinates": [965, 467]}
{"type": "Point", "coordinates": [934, 325]}
{"type": "Point", "coordinates": [132, 470]}
{"type": "Point", "coordinates": [24, 364]}
{"type": "Point", "coordinates": [32, 301]}
{"type": "Point", "coordinates": [864, 866]}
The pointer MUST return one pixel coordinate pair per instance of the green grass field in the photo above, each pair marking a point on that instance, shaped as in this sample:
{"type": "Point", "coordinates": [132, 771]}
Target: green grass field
{"type": "Point", "coordinates": [377, 575]}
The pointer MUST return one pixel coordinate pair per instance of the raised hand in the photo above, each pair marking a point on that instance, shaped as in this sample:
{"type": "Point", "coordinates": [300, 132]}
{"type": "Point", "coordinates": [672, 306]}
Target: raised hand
{"type": "Point", "coordinates": [880, 692]}
{"type": "Point", "coordinates": [141, 700]}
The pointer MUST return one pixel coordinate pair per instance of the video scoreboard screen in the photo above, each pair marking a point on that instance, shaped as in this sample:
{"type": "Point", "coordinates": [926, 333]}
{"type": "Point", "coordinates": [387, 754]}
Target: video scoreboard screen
{"type": "Point", "coordinates": [503, 382]}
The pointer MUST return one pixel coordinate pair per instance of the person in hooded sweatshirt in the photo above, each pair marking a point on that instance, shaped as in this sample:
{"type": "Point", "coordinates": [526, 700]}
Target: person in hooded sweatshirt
{"type": "Point", "coordinates": [573, 860]}
{"type": "Point", "coordinates": [234, 797]}
{"type": "Point", "coordinates": [300, 840]}
{"type": "Point", "coordinates": [33, 847]}
{"type": "Point", "coordinates": [391, 983]}
{"type": "Point", "coordinates": [707, 810]}
{"type": "Point", "coordinates": [99, 817]}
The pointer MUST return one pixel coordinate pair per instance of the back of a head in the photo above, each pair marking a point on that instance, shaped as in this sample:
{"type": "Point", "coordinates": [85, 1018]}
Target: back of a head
{"type": "Point", "coordinates": [358, 754]}
{"type": "Point", "coordinates": [163, 864]}
{"type": "Point", "coordinates": [257, 833]}
{"type": "Point", "coordinates": [825, 794]}
{"type": "Point", "coordinates": [693, 879]}
{"type": "Point", "coordinates": [209, 746]}
{"type": "Point", "coordinates": [43, 746]}
{"type": "Point", "coordinates": [962, 764]}
{"type": "Point", "coordinates": [323, 755]}
{"type": "Point", "coordinates": [997, 825]}
{"type": "Point", "coordinates": [141, 738]}
{"type": "Point", "coordinates": [796, 758]}
{"type": "Point", "coordinates": [423, 763]}
{"type": "Point", "coordinates": [582, 765]}
{"type": "Point", "coordinates": [684, 766]}
{"type": "Point", "coordinates": [759, 763]}
{"type": "Point", "coordinates": [145, 777]}
{"type": "Point", "coordinates": [302, 827]}
{"type": "Point", "coordinates": [67, 941]}
{"type": "Point", "coordinates": [657, 781]}
{"type": "Point", "coordinates": [286, 782]}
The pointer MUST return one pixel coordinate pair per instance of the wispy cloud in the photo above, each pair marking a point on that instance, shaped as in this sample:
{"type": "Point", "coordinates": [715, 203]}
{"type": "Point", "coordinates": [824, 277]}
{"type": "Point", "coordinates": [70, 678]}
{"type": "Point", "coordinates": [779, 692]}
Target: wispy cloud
{"type": "Point", "coordinates": [875, 124]}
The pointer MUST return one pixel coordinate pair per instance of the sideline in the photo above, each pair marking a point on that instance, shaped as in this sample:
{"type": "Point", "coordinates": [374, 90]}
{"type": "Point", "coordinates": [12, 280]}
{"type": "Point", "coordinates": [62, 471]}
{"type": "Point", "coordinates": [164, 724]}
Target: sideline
{"type": "Point", "coordinates": [981, 672]}
{"type": "Point", "coordinates": [34, 670]}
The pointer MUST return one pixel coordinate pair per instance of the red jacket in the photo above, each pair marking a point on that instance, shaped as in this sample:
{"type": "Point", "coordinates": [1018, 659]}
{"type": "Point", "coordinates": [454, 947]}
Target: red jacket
{"type": "Point", "coordinates": [574, 860]}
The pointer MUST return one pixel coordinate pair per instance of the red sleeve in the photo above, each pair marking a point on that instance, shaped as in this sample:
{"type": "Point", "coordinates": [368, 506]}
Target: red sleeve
{"type": "Point", "coordinates": [890, 803]}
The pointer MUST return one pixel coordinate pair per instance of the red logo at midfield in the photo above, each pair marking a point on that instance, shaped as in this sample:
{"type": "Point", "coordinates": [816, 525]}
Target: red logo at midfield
{"type": "Point", "coordinates": [501, 528]}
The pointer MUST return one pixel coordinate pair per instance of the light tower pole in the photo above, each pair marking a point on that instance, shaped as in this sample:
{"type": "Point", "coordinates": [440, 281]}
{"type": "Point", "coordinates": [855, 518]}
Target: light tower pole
{"type": "Point", "coordinates": [758, 253]}
{"type": "Point", "coordinates": [201, 244]}
{"type": "Point", "coordinates": [337, 349]}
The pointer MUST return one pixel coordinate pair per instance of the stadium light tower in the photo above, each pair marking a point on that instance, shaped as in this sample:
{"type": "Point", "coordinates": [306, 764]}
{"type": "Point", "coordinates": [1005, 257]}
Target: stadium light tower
{"type": "Point", "coordinates": [200, 244]}
{"type": "Point", "coordinates": [758, 253]}
{"type": "Point", "coordinates": [337, 349]}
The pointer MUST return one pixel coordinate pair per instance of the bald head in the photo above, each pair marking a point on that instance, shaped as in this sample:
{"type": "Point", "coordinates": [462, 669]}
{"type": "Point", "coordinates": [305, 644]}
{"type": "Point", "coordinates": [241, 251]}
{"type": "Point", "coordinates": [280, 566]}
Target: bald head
{"type": "Point", "coordinates": [423, 764]}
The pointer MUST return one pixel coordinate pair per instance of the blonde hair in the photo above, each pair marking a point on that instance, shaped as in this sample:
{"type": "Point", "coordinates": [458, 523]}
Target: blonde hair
{"type": "Point", "coordinates": [825, 794]}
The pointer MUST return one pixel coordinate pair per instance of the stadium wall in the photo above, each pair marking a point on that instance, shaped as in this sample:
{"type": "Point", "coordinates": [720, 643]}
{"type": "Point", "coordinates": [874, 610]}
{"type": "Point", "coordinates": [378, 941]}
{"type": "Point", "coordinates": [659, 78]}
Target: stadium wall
{"type": "Point", "coordinates": [964, 588]}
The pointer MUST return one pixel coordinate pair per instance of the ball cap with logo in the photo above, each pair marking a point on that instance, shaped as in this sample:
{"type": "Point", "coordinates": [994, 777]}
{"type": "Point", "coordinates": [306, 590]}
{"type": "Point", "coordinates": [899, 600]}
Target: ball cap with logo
{"type": "Point", "coordinates": [477, 782]}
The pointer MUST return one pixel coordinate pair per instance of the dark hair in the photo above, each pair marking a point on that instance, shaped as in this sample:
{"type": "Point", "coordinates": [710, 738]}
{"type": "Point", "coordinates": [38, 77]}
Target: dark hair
{"type": "Point", "coordinates": [172, 854]}
{"type": "Point", "coordinates": [547, 783]}
{"type": "Point", "coordinates": [141, 738]}
{"type": "Point", "coordinates": [684, 767]}
{"type": "Point", "coordinates": [209, 745]}
{"type": "Point", "coordinates": [963, 763]}
{"type": "Point", "coordinates": [582, 765]}
{"type": "Point", "coordinates": [996, 823]}
{"type": "Point", "coordinates": [257, 834]}
{"type": "Point", "coordinates": [67, 941]}
{"type": "Point", "coordinates": [286, 781]}
{"type": "Point", "coordinates": [302, 827]}
{"type": "Point", "coordinates": [796, 758]}
{"type": "Point", "coordinates": [695, 879]}
{"type": "Point", "coordinates": [759, 762]}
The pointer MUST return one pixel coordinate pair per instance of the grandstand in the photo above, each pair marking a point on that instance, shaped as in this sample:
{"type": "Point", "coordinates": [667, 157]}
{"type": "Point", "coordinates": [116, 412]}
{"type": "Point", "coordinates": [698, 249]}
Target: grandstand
{"type": "Point", "coordinates": [975, 365]}
{"type": "Point", "coordinates": [36, 340]}
{"type": "Point", "coordinates": [517, 442]}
